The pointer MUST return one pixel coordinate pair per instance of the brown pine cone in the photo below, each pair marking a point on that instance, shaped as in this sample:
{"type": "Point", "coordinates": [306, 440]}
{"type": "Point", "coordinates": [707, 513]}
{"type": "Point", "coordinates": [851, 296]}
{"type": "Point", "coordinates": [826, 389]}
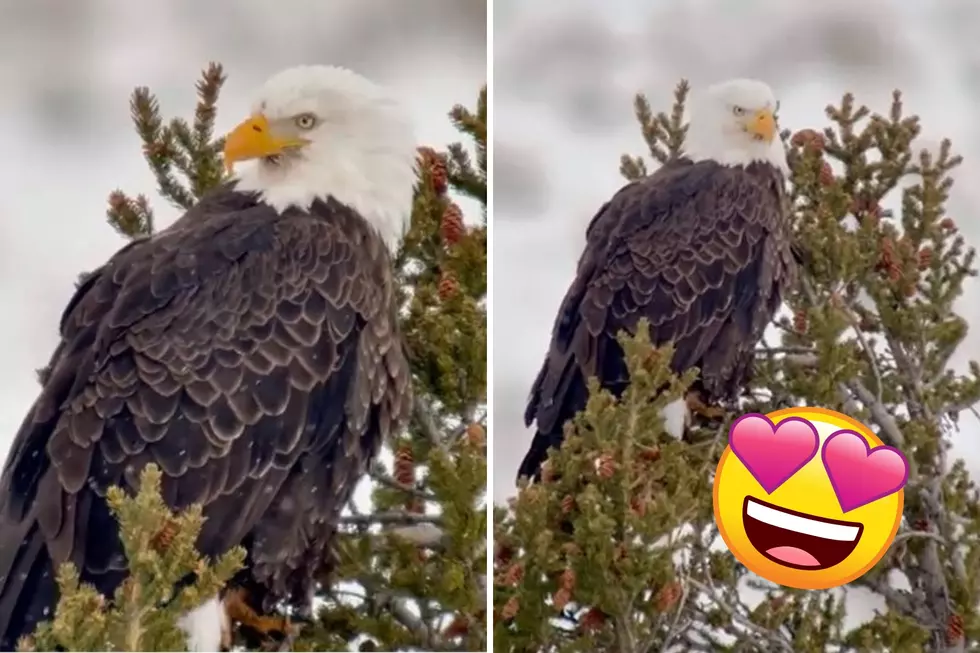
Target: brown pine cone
{"type": "Point", "coordinates": [451, 227]}
{"type": "Point", "coordinates": [650, 455]}
{"type": "Point", "coordinates": [567, 580]}
{"type": "Point", "coordinates": [561, 598]}
{"type": "Point", "coordinates": [592, 620]}
{"type": "Point", "coordinates": [567, 503]}
{"type": "Point", "coordinates": [947, 224]}
{"type": "Point", "coordinates": [514, 574]}
{"type": "Point", "coordinates": [638, 506]}
{"type": "Point", "coordinates": [605, 466]}
{"type": "Point", "coordinates": [476, 436]}
{"type": "Point", "coordinates": [668, 596]}
{"type": "Point", "coordinates": [502, 553]}
{"type": "Point", "coordinates": [448, 287]}
{"type": "Point", "coordinates": [810, 138]}
{"type": "Point", "coordinates": [404, 471]}
{"type": "Point", "coordinates": [925, 258]}
{"type": "Point", "coordinates": [826, 174]}
{"type": "Point", "coordinates": [800, 321]}
{"type": "Point", "coordinates": [435, 163]}
{"type": "Point", "coordinates": [509, 610]}
{"type": "Point", "coordinates": [459, 627]}
{"type": "Point", "coordinates": [165, 536]}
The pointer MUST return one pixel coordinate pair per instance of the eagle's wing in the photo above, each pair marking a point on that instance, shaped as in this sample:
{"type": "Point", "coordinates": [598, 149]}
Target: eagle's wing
{"type": "Point", "coordinates": [681, 248]}
{"type": "Point", "coordinates": [227, 350]}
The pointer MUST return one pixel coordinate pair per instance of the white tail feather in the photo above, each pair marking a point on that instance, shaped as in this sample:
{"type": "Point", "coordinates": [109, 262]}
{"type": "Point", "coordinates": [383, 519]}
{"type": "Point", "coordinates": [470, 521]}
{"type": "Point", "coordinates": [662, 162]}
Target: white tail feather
{"type": "Point", "coordinates": [676, 417]}
{"type": "Point", "coordinates": [204, 626]}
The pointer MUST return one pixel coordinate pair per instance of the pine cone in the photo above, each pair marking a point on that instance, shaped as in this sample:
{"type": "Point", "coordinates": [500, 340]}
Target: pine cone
{"type": "Point", "coordinates": [567, 580]}
{"type": "Point", "coordinates": [448, 287]}
{"type": "Point", "coordinates": [459, 627]}
{"type": "Point", "coordinates": [165, 536]}
{"type": "Point", "coordinates": [592, 620]}
{"type": "Point", "coordinates": [405, 465]}
{"type": "Point", "coordinates": [155, 149]}
{"type": "Point", "coordinates": [638, 506]}
{"type": "Point", "coordinates": [947, 224]}
{"type": "Point", "coordinates": [117, 201]}
{"type": "Point", "coordinates": [925, 258]}
{"type": "Point", "coordinates": [435, 164]}
{"type": "Point", "coordinates": [476, 436]}
{"type": "Point", "coordinates": [799, 321]}
{"type": "Point", "coordinates": [502, 553]}
{"type": "Point", "coordinates": [514, 574]}
{"type": "Point", "coordinates": [509, 611]}
{"type": "Point", "coordinates": [954, 629]}
{"type": "Point", "coordinates": [561, 598]}
{"type": "Point", "coordinates": [826, 174]}
{"type": "Point", "coordinates": [451, 227]}
{"type": "Point", "coordinates": [605, 466]}
{"type": "Point", "coordinates": [811, 139]}
{"type": "Point", "coordinates": [668, 596]}
{"type": "Point", "coordinates": [567, 503]}
{"type": "Point", "coordinates": [650, 455]}
{"type": "Point", "coordinates": [887, 257]}
{"type": "Point", "coordinates": [776, 602]}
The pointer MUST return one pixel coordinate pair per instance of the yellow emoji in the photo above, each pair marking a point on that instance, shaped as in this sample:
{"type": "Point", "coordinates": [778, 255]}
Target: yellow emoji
{"type": "Point", "coordinates": [807, 497]}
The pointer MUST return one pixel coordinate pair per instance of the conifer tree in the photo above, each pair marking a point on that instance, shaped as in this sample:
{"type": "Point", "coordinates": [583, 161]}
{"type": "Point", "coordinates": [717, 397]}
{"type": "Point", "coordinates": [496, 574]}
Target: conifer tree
{"type": "Point", "coordinates": [409, 572]}
{"type": "Point", "coordinates": [871, 332]}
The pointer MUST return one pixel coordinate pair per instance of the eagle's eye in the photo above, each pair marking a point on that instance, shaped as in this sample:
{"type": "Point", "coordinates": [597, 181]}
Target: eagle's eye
{"type": "Point", "coordinates": [306, 121]}
{"type": "Point", "coordinates": [738, 111]}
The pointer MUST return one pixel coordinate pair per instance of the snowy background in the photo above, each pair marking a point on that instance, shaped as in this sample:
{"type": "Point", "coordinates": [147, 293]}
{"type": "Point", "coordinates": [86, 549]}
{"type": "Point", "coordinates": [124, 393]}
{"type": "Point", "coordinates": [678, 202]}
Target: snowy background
{"type": "Point", "coordinates": [564, 79]}
{"type": "Point", "coordinates": [68, 68]}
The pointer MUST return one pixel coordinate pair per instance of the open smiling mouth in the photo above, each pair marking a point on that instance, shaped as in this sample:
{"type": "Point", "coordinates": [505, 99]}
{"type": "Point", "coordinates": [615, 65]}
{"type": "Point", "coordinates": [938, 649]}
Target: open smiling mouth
{"type": "Point", "coordinates": [796, 539]}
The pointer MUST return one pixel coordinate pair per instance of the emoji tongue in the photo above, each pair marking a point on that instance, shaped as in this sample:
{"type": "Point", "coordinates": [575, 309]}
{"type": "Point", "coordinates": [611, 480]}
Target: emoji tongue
{"type": "Point", "coordinates": [793, 556]}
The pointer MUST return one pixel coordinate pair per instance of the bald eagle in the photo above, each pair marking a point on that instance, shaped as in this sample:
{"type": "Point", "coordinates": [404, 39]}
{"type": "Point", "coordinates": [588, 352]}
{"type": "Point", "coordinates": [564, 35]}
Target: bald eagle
{"type": "Point", "coordinates": [701, 248]}
{"type": "Point", "coordinates": [250, 350]}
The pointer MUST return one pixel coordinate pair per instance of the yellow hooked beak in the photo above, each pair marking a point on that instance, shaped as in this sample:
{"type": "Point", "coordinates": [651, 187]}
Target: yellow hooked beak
{"type": "Point", "coordinates": [254, 139]}
{"type": "Point", "coordinates": [762, 124]}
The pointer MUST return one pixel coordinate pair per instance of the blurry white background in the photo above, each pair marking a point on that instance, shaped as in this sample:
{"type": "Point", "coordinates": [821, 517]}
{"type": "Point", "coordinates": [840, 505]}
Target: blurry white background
{"type": "Point", "coordinates": [565, 75]}
{"type": "Point", "coordinates": [67, 70]}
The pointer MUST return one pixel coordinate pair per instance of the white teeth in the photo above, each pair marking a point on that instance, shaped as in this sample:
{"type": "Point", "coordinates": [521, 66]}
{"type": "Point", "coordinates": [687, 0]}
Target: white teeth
{"type": "Point", "coordinates": [798, 524]}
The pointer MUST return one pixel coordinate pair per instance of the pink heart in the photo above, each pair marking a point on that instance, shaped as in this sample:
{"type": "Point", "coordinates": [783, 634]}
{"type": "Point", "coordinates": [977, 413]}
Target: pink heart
{"type": "Point", "coordinates": [859, 474]}
{"type": "Point", "coordinates": [772, 454]}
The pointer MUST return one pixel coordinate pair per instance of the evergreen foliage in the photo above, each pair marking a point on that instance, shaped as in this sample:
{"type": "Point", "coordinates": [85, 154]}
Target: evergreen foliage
{"type": "Point", "coordinates": [408, 574]}
{"type": "Point", "coordinates": [871, 331]}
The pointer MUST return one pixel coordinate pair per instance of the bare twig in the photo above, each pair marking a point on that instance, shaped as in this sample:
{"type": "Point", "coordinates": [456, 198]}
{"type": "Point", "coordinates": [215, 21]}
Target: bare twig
{"type": "Point", "coordinates": [378, 475]}
{"type": "Point", "coordinates": [392, 518]}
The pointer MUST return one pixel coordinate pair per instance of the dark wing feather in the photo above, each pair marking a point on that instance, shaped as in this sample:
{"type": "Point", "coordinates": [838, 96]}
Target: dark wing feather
{"type": "Point", "coordinates": [697, 249]}
{"type": "Point", "coordinates": [252, 356]}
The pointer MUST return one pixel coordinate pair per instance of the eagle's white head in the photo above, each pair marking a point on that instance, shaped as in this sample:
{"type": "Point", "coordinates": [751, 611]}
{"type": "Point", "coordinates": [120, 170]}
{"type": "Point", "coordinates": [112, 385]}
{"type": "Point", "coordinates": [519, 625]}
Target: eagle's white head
{"type": "Point", "coordinates": [734, 123]}
{"type": "Point", "coordinates": [319, 131]}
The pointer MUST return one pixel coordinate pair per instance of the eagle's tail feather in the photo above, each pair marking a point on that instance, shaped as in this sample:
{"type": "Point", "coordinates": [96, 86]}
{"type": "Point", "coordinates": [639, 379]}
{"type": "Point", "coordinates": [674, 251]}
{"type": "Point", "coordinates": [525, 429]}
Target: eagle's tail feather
{"type": "Point", "coordinates": [27, 584]}
{"type": "Point", "coordinates": [537, 454]}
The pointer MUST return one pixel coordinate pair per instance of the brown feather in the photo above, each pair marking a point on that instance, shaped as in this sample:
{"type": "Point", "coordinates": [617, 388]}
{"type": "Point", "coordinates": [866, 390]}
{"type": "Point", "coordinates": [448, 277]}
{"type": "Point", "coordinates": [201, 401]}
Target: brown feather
{"type": "Point", "coordinates": [702, 251]}
{"type": "Point", "coordinates": [244, 351]}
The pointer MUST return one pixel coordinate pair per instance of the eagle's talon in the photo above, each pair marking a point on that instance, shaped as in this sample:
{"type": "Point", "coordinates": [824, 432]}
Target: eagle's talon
{"type": "Point", "coordinates": [697, 406]}
{"type": "Point", "coordinates": [239, 611]}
